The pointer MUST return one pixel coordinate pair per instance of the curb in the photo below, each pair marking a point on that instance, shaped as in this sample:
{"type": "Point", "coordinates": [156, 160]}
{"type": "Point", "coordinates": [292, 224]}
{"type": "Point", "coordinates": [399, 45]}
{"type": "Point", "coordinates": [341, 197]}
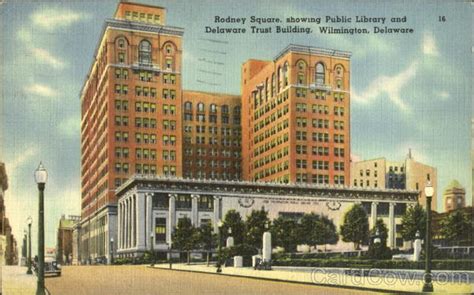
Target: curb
{"type": "Point", "coordinates": [293, 282]}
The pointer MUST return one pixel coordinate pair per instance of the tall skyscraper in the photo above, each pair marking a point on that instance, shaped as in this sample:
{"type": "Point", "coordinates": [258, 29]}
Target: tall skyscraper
{"type": "Point", "coordinates": [296, 117]}
{"type": "Point", "coordinates": [131, 114]}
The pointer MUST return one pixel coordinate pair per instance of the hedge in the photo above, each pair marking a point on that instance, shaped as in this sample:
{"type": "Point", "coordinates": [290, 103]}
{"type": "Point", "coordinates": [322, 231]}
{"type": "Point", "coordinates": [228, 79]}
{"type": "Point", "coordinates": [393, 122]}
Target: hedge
{"type": "Point", "coordinates": [367, 263]}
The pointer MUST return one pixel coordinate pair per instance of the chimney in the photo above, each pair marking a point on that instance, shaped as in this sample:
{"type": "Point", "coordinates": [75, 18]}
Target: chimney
{"type": "Point", "coordinates": [409, 153]}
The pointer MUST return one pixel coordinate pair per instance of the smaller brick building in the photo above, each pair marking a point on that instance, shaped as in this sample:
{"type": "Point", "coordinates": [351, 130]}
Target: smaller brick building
{"type": "Point", "coordinates": [64, 238]}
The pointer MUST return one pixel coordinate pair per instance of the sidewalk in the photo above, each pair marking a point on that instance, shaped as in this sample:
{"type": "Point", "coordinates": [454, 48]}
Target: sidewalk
{"type": "Point", "coordinates": [15, 281]}
{"type": "Point", "coordinates": [319, 276]}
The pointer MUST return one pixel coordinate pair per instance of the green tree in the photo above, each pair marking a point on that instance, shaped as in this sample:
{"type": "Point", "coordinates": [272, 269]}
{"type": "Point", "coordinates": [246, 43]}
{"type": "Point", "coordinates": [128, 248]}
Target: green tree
{"type": "Point", "coordinates": [311, 230]}
{"type": "Point", "coordinates": [285, 233]}
{"type": "Point", "coordinates": [455, 227]}
{"type": "Point", "coordinates": [255, 227]}
{"type": "Point", "coordinates": [233, 220]}
{"type": "Point", "coordinates": [185, 237]}
{"type": "Point", "coordinates": [413, 220]}
{"type": "Point", "coordinates": [329, 234]}
{"type": "Point", "coordinates": [379, 250]}
{"type": "Point", "coordinates": [355, 227]}
{"type": "Point", "coordinates": [383, 231]}
{"type": "Point", "coordinates": [207, 240]}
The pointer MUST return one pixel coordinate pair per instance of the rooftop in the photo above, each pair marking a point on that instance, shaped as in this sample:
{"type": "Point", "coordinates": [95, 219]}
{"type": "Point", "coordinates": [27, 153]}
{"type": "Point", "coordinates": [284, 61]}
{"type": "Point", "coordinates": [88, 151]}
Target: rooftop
{"type": "Point", "coordinates": [313, 50]}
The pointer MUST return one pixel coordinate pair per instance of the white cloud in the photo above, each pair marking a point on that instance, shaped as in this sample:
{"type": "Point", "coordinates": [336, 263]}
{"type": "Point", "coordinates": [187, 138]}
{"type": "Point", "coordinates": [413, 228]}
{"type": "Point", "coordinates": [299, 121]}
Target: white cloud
{"type": "Point", "coordinates": [41, 90]}
{"type": "Point", "coordinates": [429, 45]}
{"type": "Point", "coordinates": [70, 126]}
{"type": "Point", "coordinates": [22, 157]}
{"type": "Point", "coordinates": [53, 18]}
{"type": "Point", "coordinates": [389, 85]}
{"type": "Point", "coordinates": [46, 57]}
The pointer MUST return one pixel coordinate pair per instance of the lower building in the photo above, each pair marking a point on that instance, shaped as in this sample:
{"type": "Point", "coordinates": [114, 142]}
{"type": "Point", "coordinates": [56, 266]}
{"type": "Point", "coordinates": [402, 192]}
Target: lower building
{"type": "Point", "coordinates": [94, 234]}
{"type": "Point", "coordinates": [408, 174]}
{"type": "Point", "coordinates": [150, 204]}
{"type": "Point", "coordinates": [64, 238]}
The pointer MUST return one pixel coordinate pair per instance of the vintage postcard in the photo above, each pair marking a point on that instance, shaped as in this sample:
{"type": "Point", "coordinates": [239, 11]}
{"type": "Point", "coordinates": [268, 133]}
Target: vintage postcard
{"type": "Point", "coordinates": [236, 147]}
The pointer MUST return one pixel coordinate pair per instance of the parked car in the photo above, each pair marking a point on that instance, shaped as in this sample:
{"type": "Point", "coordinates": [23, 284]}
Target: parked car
{"type": "Point", "coordinates": [51, 267]}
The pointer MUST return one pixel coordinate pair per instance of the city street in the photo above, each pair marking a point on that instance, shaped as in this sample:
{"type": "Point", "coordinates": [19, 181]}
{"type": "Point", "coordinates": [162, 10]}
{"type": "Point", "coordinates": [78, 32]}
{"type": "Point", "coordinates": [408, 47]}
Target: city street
{"type": "Point", "coordinates": [115, 280]}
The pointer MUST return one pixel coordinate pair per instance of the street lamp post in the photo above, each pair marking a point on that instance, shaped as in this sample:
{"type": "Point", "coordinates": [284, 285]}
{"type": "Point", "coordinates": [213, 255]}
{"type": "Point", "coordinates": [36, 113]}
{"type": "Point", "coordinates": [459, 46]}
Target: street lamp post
{"type": "Point", "coordinates": [29, 221]}
{"type": "Point", "coordinates": [170, 244]}
{"type": "Point", "coordinates": [152, 245]}
{"type": "Point", "coordinates": [219, 235]}
{"type": "Point", "coordinates": [41, 176]}
{"type": "Point", "coordinates": [428, 285]}
{"type": "Point", "coordinates": [112, 250]}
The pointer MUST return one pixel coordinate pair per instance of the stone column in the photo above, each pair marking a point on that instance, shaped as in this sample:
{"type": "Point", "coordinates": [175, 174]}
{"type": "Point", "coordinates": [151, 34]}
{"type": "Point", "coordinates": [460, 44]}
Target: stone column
{"type": "Point", "coordinates": [119, 230]}
{"type": "Point", "coordinates": [149, 218]}
{"type": "Point", "coordinates": [134, 221]}
{"type": "Point", "coordinates": [141, 221]}
{"type": "Point", "coordinates": [125, 223]}
{"type": "Point", "coordinates": [171, 216]}
{"type": "Point", "coordinates": [373, 214]}
{"type": "Point", "coordinates": [194, 210]}
{"type": "Point", "coordinates": [391, 226]}
{"type": "Point", "coordinates": [217, 209]}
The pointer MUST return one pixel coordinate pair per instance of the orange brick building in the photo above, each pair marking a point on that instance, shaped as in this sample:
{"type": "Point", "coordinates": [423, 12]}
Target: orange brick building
{"type": "Point", "coordinates": [296, 117]}
{"type": "Point", "coordinates": [211, 135]}
{"type": "Point", "coordinates": [131, 113]}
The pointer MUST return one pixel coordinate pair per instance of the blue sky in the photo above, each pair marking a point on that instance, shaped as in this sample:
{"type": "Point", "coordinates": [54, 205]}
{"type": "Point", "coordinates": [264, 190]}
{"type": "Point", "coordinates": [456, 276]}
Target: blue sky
{"type": "Point", "coordinates": [408, 90]}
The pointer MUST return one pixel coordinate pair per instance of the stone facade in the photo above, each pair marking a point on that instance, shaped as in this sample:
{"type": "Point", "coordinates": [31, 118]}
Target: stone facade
{"type": "Point", "coordinates": [154, 205]}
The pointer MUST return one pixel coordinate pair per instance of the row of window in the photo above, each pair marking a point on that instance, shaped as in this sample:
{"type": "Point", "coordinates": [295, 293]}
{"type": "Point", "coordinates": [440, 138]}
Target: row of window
{"type": "Point", "coordinates": [319, 178]}
{"type": "Point", "coordinates": [281, 98]}
{"type": "Point", "coordinates": [320, 109]}
{"type": "Point", "coordinates": [270, 132]}
{"type": "Point", "coordinates": [272, 170]}
{"type": "Point", "coordinates": [270, 158]}
{"type": "Point", "coordinates": [212, 118]}
{"type": "Point", "coordinates": [272, 144]}
{"type": "Point", "coordinates": [272, 118]}
{"type": "Point", "coordinates": [212, 152]}
{"type": "Point", "coordinates": [213, 163]}
{"type": "Point", "coordinates": [319, 165]}
{"type": "Point", "coordinates": [143, 17]}
{"type": "Point", "coordinates": [319, 94]}
{"type": "Point", "coordinates": [144, 169]}
{"type": "Point", "coordinates": [212, 141]}
{"type": "Point", "coordinates": [319, 136]}
{"type": "Point", "coordinates": [367, 183]}
{"type": "Point", "coordinates": [319, 151]}
{"type": "Point", "coordinates": [212, 175]}
{"type": "Point", "coordinates": [225, 131]}
{"type": "Point", "coordinates": [188, 107]}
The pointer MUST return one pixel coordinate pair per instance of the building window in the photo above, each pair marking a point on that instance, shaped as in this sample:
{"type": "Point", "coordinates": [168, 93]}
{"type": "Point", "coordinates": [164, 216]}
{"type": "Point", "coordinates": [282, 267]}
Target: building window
{"type": "Point", "coordinates": [200, 107]}
{"type": "Point", "coordinates": [144, 53]}
{"type": "Point", "coordinates": [160, 230]}
{"type": "Point", "coordinates": [320, 76]}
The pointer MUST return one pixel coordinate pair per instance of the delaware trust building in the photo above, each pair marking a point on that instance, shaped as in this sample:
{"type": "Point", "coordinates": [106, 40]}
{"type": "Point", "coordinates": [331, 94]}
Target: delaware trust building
{"type": "Point", "coordinates": [153, 152]}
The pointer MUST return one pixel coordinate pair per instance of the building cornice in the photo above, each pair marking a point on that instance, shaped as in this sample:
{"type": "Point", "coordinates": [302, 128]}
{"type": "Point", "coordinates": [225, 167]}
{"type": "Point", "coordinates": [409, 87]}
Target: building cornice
{"type": "Point", "coordinates": [313, 50]}
{"type": "Point", "coordinates": [262, 189]}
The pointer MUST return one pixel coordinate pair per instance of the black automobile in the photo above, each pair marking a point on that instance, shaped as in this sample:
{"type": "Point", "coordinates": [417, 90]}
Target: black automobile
{"type": "Point", "coordinates": [51, 267]}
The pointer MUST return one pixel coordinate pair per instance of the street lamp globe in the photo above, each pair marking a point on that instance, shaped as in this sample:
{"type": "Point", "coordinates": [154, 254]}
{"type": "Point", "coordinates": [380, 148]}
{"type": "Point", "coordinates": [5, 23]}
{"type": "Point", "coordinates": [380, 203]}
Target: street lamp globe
{"type": "Point", "coordinates": [111, 240]}
{"type": "Point", "coordinates": [41, 175]}
{"type": "Point", "coordinates": [429, 190]}
{"type": "Point", "coordinates": [29, 220]}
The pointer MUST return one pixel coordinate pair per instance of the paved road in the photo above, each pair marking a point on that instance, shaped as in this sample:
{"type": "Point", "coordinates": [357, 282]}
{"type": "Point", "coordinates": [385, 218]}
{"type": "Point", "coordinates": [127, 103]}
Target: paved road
{"type": "Point", "coordinates": [117, 280]}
